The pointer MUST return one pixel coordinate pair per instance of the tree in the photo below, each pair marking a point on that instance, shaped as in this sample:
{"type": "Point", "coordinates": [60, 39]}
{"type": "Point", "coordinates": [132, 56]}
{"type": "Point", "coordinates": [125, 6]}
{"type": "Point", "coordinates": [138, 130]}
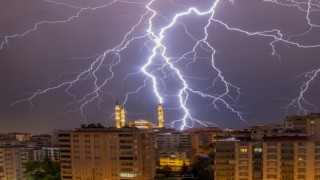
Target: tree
{"type": "Point", "coordinates": [184, 169]}
{"type": "Point", "coordinates": [47, 170]}
{"type": "Point", "coordinates": [203, 171]}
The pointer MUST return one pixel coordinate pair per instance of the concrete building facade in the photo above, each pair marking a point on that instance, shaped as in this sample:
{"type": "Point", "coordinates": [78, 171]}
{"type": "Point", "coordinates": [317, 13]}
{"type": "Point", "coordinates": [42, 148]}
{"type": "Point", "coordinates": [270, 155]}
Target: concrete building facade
{"type": "Point", "coordinates": [174, 149]}
{"type": "Point", "coordinates": [309, 124]}
{"type": "Point", "coordinates": [270, 158]}
{"type": "Point", "coordinates": [97, 153]}
{"type": "Point", "coordinates": [12, 159]}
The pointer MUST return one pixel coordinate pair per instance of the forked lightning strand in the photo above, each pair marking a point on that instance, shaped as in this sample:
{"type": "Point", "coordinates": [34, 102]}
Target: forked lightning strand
{"type": "Point", "coordinates": [146, 29]}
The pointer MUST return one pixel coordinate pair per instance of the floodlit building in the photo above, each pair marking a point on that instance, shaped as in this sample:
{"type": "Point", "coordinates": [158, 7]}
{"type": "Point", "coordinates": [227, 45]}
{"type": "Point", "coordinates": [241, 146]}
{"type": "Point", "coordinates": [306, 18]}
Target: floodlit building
{"type": "Point", "coordinates": [174, 149]}
{"type": "Point", "coordinates": [175, 158]}
{"type": "Point", "coordinates": [12, 159]}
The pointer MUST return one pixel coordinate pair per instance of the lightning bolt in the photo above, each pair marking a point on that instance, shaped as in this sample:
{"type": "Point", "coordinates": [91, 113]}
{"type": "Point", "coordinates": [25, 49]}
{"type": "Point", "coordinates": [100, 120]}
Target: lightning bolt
{"type": "Point", "coordinates": [161, 67]}
{"type": "Point", "coordinates": [300, 103]}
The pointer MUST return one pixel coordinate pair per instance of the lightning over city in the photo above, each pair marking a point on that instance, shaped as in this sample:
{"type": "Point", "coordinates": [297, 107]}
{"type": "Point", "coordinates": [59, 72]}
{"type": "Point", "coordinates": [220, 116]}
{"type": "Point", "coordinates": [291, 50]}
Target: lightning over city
{"type": "Point", "coordinates": [209, 63]}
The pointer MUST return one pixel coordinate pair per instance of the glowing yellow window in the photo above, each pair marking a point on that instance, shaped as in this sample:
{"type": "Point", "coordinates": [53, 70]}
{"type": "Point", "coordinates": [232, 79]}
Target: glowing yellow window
{"type": "Point", "coordinates": [243, 150]}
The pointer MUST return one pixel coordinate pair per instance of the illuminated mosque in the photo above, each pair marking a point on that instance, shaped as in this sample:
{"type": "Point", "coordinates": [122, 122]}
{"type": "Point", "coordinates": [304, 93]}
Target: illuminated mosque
{"type": "Point", "coordinates": [120, 118]}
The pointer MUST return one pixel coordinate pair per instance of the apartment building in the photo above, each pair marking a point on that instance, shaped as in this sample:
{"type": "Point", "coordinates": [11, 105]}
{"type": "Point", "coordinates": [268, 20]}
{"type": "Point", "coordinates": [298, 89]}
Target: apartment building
{"type": "Point", "coordinates": [97, 153]}
{"type": "Point", "coordinates": [283, 157]}
{"type": "Point", "coordinates": [309, 124]}
{"type": "Point", "coordinates": [203, 138]}
{"type": "Point", "coordinates": [291, 158]}
{"type": "Point", "coordinates": [12, 159]}
{"type": "Point", "coordinates": [174, 149]}
{"type": "Point", "coordinates": [224, 160]}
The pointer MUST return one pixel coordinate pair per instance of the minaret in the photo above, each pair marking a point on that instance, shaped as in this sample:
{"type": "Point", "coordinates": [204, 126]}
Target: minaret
{"type": "Point", "coordinates": [117, 115]}
{"type": "Point", "coordinates": [123, 117]}
{"type": "Point", "coordinates": [160, 115]}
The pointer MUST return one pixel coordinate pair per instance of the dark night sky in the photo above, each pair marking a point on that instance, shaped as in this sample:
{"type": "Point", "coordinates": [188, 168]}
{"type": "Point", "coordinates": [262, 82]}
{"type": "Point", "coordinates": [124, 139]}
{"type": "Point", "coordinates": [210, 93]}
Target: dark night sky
{"type": "Point", "coordinates": [58, 52]}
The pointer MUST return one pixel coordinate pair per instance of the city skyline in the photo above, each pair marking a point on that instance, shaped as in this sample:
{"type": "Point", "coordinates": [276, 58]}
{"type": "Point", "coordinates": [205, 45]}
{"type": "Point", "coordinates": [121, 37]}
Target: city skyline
{"type": "Point", "coordinates": [233, 64]}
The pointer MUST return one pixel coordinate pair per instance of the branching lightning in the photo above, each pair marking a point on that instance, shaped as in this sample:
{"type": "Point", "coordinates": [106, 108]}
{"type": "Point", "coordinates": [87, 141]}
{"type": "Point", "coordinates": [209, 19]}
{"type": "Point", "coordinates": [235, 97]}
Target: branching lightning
{"type": "Point", "coordinates": [161, 62]}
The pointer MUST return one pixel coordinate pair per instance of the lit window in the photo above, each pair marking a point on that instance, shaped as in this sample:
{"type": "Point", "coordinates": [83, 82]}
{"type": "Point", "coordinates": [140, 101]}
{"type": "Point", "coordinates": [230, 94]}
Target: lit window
{"type": "Point", "coordinates": [243, 150]}
{"type": "Point", "coordinates": [301, 157]}
{"type": "Point", "coordinates": [257, 150]}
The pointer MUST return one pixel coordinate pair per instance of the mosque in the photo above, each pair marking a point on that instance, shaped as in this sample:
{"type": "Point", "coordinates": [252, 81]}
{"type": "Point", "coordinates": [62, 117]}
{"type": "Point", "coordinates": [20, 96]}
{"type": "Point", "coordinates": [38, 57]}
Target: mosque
{"type": "Point", "coordinates": [120, 118]}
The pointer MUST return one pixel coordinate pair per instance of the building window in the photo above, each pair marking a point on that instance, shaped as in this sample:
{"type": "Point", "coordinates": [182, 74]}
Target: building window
{"type": "Point", "coordinates": [243, 156]}
{"type": "Point", "coordinates": [272, 150]}
{"type": "Point", "coordinates": [126, 158]}
{"type": "Point", "coordinates": [302, 150]}
{"type": "Point", "coordinates": [125, 147]}
{"type": "Point", "coordinates": [301, 144]}
{"type": "Point", "coordinates": [317, 157]}
{"type": "Point", "coordinates": [272, 170]}
{"type": "Point", "coordinates": [257, 150]}
{"type": "Point", "coordinates": [126, 141]}
{"type": "Point", "coordinates": [126, 169]}
{"type": "Point", "coordinates": [243, 150]}
{"type": "Point", "coordinates": [272, 163]}
{"type": "Point", "coordinates": [127, 164]}
{"type": "Point", "coordinates": [302, 164]}
{"type": "Point", "coordinates": [272, 176]}
{"type": "Point", "coordinates": [301, 170]}
{"type": "Point", "coordinates": [271, 144]}
{"type": "Point", "coordinates": [243, 144]}
{"type": "Point", "coordinates": [272, 157]}
{"type": "Point", "coordinates": [243, 174]}
{"type": "Point", "coordinates": [243, 162]}
{"type": "Point", "coordinates": [302, 157]}
{"type": "Point", "coordinates": [243, 168]}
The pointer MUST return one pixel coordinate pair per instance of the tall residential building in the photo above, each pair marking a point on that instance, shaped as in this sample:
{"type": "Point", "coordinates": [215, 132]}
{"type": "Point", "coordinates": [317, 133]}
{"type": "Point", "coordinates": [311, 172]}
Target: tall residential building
{"type": "Point", "coordinates": [174, 149]}
{"type": "Point", "coordinates": [51, 153]}
{"type": "Point", "coordinates": [55, 138]}
{"type": "Point", "coordinates": [309, 124]}
{"type": "Point", "coordinates": [224, 160]}
{"type": "Point", "coordinates": [203, 138]}
{"type": "Point", "coordinates": [97, 153]}
{"type": "Point", "coordinates": [12, 159]}
{"type": "Point", "coordinates": [40, 140]}
{"type": "Point", "coordinates": [173, 140]}
{"type": "Point", "coordinates": [283, 157]}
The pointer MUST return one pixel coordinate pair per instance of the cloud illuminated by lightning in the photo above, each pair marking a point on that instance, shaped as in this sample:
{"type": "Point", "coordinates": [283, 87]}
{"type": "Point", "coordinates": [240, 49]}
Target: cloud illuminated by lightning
{"type": "Point", "coordinates": [161, 62]}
